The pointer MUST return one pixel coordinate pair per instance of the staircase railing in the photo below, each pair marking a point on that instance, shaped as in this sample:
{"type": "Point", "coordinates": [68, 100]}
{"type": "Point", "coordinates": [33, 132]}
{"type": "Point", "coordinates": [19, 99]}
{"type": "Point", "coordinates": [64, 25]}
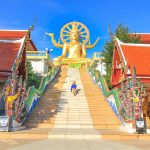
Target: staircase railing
{"type": "Point", "coordinates": [111, 96]}
{"type": "Point", "coordinates": [34, 94]}
{"type": "Point", "coordinates": [126, 102]}
{"type": "Point", "coordinates": [19, 103]}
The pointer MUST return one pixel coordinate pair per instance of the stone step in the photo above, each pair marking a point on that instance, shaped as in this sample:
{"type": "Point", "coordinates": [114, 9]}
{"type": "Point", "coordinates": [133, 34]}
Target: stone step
{"type": "Point", "coordinates": [100, 110]}
{"type": "Point", "coordinates": [97, 102]}
{"type": "Point", "coordinates": [46, 107]}
{"type": "Point", "coordinates": [44, 112]}
{"type": "Point", "coordinates": [102, 114]}
{"type": "Point", "coordinates": [73, 126]}
{"type": "Point", "coordinates": [104, 120]}
{"type": "Point", "coordinates": [104, 117]}
{"type": "Point", "coordinates": [74, 136]}
{"type": "Point", "coordinates": [106, 126]}
{"type": "Point", "coordinates": [85, 118]}
{"type": "Point", "coordinates": [41, 115]}
{"type": "Point", "coordinates": [40, 121]}
{"type": "Point", "coordinates": [22, 135]}
{"type": "Point", "coordinates": [39, 125]}
{"type": "Point", "coordinates": [41, 118]}
{"type": "Point", "coordinates": [65, 122]}
{"type": "Point", "coordinates": [108, 134]}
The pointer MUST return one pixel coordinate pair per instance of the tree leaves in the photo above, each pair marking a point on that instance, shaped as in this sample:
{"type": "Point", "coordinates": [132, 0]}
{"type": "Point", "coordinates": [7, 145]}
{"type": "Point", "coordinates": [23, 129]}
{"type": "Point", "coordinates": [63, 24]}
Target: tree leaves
{"type": "Point", "coordinates": [32, 79]}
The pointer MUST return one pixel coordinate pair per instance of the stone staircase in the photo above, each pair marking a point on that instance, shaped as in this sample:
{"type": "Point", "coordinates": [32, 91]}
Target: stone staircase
{"type": "Point", "coordinates": [61, 115]}
{"type": "Point", "coordinates": [73, 119]}
{"type": "Point", "coordinates": [43, 115]}
{"type": "Point", "coordinates": [102, 114]}
{"type": "Point", "coordinates": [69, 116]}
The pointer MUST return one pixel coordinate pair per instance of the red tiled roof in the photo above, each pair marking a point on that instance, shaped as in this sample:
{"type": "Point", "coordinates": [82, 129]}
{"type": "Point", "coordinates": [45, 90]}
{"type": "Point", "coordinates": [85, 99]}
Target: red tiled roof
{"type": "Point", "coordinates": [138, 56]}
{"type": "Point", "coordinates": [8, 54]}
{"type": "Point", "coordinates": [12, 34]}
{"type": "Point", "coordinates": [3, 77]}
{"type": "Point", "coordinates": [145, 38]}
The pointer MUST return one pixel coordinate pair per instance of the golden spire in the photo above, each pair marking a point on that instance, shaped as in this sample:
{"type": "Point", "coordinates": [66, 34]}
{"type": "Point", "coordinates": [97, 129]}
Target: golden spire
{"type": "Point", "coordinates": [74, 27]}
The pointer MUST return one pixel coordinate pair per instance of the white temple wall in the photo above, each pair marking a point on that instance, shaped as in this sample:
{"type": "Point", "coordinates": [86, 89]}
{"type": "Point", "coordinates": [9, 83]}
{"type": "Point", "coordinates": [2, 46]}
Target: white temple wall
{"type": "Point", "coordinates": [101, 68]}
{"type": "Point", "coordinates": [39, 66]}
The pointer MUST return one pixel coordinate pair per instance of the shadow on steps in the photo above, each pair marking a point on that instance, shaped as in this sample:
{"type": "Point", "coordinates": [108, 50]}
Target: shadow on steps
{"type": "Point", "coordinates": [43, 115]}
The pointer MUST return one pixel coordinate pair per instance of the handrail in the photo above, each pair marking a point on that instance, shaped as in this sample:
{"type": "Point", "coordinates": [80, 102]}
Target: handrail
{"type": "Point", "coordinates": [125, 102]}
{"type": "Point", "coordinates": [34, 94]}
{"type": "Point", "coordinates": [26, 100]}
{"type": "Point", "coordinates": [95, 74]}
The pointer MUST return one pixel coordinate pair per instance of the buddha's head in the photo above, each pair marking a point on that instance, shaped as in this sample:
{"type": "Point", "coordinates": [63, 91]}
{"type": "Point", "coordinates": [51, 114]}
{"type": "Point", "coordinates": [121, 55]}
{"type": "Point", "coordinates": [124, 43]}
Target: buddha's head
{"type": "Point", "coordinates": [74, 33]}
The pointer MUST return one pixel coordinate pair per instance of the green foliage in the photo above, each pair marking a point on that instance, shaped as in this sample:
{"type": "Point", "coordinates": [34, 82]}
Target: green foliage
{"type": "Point", "coordinates": [75, 65]}
{"type": "Point", "coordinates": [122, 33]}
{"type": "Point", "coordinates": [32, 79]}
{"type": "Point", "coordinates": [107, 53]}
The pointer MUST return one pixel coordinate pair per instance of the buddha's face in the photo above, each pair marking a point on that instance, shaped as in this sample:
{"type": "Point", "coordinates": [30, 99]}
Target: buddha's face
{"type": "Point", "coordinates": [74, 35]}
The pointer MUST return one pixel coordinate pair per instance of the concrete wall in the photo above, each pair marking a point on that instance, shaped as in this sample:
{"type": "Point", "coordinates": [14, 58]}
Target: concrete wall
{"type": "Point", "coordinates": [39, 66]}
{"type": "Point", "coordinates": [101, 68]}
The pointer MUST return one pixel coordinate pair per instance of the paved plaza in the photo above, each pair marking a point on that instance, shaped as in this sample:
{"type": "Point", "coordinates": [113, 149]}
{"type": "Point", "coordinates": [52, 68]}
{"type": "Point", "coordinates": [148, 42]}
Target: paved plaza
{"type": "Point", "coordinates": [73, 144]}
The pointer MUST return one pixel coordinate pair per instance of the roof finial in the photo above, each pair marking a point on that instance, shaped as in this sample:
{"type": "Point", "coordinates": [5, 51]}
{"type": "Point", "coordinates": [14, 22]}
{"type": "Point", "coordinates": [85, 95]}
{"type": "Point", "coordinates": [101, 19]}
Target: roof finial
{"type": "Point", "coordinates": [32, 27]}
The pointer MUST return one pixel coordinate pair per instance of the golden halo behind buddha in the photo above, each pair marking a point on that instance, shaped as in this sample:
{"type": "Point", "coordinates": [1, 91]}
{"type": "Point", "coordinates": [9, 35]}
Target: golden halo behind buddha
{"type": "Point", "coordinates": [77, 27]}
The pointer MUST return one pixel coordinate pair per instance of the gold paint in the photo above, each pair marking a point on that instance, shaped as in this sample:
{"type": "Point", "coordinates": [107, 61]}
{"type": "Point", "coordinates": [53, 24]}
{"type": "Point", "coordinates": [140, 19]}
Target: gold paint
{"type": "Point", "coordinates": [78, 36]}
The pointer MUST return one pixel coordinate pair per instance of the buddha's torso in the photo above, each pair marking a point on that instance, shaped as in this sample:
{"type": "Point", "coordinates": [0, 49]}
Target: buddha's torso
{"type": "Point", "coordinates": [74, 50]}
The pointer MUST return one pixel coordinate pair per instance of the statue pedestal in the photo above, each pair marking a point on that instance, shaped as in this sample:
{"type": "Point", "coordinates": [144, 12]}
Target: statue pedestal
{"type": "Point", "coordinates": [73, 62]}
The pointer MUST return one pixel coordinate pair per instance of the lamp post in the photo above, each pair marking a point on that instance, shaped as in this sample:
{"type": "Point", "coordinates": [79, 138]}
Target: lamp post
{"type": "Point", "coordinates": [49, 51]}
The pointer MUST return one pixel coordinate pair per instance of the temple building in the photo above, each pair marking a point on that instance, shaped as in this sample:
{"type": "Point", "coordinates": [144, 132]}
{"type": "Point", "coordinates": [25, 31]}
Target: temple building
{"type": "Point", "coordinates": [13, 47]}
{"type": "Point", "coordinates": [129, 55]}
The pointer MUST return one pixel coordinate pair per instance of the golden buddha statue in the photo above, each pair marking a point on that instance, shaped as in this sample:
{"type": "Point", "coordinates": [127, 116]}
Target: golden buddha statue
{"type": "Point", "coordinates": [74, 37]}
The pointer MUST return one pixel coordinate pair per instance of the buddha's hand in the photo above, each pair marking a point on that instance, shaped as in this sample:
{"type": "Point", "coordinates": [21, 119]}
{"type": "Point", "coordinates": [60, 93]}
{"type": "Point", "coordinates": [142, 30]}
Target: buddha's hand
{"type": "Point", "coordinates": [49, 34]}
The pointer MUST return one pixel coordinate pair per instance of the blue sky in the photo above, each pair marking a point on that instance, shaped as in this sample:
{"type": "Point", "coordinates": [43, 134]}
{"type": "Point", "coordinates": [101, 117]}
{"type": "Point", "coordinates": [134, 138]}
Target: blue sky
{"type": "Point", "coordinates": [51, 15]}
